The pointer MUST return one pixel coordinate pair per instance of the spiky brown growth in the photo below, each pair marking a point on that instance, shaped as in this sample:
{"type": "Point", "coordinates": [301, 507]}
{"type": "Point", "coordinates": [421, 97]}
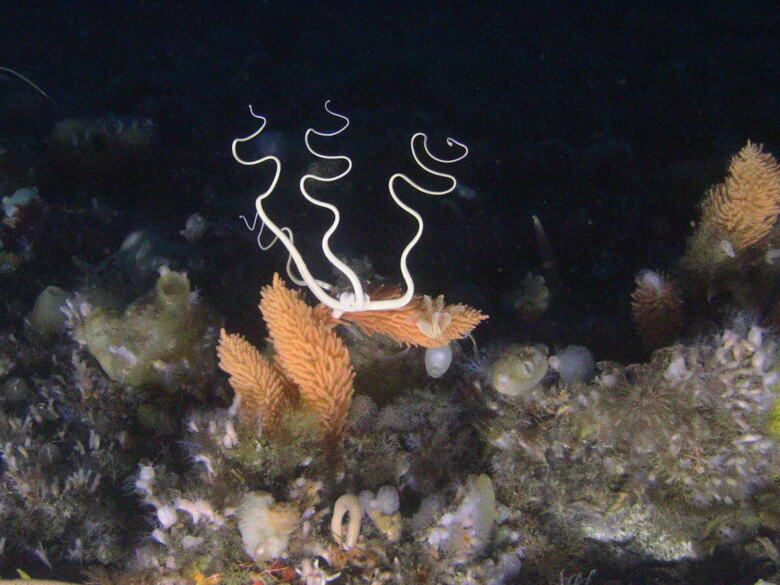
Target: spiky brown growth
{"type": "Point", "coordinates": [311, 354]}
{"type": "Point", "coordinates": [425, 321]}
{"type": "Point", "coordinates": [657, 307]}
{"type": "Point", "coordinates": [744, 207]}
{"type": "Point", "coordinates": [261, 387]}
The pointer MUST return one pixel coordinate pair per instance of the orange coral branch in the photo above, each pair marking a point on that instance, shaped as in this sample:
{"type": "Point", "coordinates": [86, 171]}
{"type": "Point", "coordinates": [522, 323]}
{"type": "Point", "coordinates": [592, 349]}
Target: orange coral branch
{"type": "Point", "coordinates": [745, 206]}
{"type": "Point", "coordinates": [311, 354]}
{"type": "Point", "coordinates": [424, 321]}
{"type": "Point", "coordinates": [261, 387]}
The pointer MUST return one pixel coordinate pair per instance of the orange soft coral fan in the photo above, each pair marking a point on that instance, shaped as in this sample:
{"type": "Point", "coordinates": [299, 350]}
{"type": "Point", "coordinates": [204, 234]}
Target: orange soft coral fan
{"type": "Point", "coordinates": [424, 321]}
{"type": "Point", "coordinates": [311, 361]}
{"type": "Point", "coordinates": [743, 208]}
{"type": "Point", "coordinates": [657, 309]}
{"type": "Point", "coordinates": [262, 388]}
{"type": "Point", "coordinates": [311, 354]}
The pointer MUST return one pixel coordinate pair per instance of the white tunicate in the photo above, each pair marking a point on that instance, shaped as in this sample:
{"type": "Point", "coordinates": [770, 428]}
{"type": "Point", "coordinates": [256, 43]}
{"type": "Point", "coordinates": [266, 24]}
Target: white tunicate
{"type": "Point", "coordinates": [430, 507]}
{"type": "Point", "coordinates": [463, 533]}
{"type": "Point", "coordinates": [386, 500]}
{"type": "Point", "coordinates": [574, 363]}
{"type": "Point", "coordinates": [265, 526]}
{"type": "Point", "coordinates": [438, 360]}
{"type": "Point", "coordinates": [167, 516]}
{"type": "Point", "coordinates": [47, 318]}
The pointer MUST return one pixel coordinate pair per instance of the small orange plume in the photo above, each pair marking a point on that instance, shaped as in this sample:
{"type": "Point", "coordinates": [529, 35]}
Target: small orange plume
{"type": "Point", "coordinates": [424, 321]}
{"type": "Point", "coordinates": [743, 208]}
{"type": "Point", "coordinates": [263, 390]}
{"type": "Point", "coordinates": [657, 309]}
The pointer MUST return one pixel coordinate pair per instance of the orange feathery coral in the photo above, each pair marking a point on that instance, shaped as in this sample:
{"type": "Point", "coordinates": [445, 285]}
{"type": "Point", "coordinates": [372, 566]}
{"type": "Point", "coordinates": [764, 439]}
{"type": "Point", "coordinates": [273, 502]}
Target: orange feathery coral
{"type": "Point", "coordinates": [311, 354]}
{"type": "Point", "coordinates": [657, 309]}
{"type": "Point", "coordinates": [744, 208]}
{"type": "Point", "coordinates": [262, 389]}
{"type": "Point", "coordinates": [424, 321]}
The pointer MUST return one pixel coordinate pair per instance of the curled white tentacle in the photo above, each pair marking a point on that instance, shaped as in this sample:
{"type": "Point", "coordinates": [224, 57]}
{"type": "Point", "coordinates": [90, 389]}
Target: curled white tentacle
{"type": "Point", "coordinates": [356, 299]}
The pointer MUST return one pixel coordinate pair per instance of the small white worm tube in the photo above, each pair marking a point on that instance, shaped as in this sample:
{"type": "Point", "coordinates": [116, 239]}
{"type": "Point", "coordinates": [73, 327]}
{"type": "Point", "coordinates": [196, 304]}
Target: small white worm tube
{"type": "Point", "coordinates": [346, 504]}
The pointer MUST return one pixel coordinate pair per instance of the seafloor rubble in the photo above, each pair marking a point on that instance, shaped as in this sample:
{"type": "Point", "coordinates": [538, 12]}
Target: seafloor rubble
{"type": "Point", "coordinates": [455, 481]}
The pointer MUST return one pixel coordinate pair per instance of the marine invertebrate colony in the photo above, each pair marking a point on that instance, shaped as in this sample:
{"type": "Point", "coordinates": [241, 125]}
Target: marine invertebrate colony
{"type": "Point", "coordinates": [730, 263]}
{"type": "Point", "coordinates": [663, 460]}
{"type": "Point", "coordinates": [164, 337]}
{"type": "Point", "coordinates": [745, 206]}
{"type": "Point", "coordinates": [308, 351]}
{"type": "Point", "coordinates": [738, 216]}
{"type": "Point", "coordinates": [309, 354]}
{"type": "Point", "coordinates": [260, 385]}
{"type": "Point", "coordinates": [656, 306]}
{"type": "Point", "coordinates": [423, 321]}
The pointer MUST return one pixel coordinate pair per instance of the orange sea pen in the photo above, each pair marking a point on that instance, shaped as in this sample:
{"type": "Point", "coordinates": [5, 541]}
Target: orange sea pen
{"type": "Point", "coordinates": [744, 207]}
{"type": "Point", "coordinates": [311, 354]}
{"type": "Point", "coordinates": [262, 389]}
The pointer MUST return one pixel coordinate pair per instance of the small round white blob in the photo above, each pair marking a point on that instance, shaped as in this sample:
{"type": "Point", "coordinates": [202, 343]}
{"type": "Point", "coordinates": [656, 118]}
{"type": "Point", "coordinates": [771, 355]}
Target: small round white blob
{"type": "Point", "coordinates": [574, 363]}
{"type": "Point", "coordinates": [438, 360]}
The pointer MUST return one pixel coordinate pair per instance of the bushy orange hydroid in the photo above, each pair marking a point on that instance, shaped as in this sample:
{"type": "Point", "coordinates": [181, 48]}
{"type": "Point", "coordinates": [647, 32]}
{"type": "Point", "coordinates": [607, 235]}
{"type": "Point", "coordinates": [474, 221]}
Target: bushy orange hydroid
{"type": "Point", "coordinates": [262, 388]}
{"type": "Point", "coordinates": [657, 309]}
{"type": "Point", "coordinates": [744, 207]}
{"type": "Point", "coordinates": [424, 321]}
{"type": "Point", "coordinates": [311, 354]}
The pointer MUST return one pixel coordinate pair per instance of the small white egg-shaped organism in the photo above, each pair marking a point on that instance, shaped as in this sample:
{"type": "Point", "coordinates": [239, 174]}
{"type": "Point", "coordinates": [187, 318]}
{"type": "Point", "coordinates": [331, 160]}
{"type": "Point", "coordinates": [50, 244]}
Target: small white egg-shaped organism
{"type": "Point", "coordinates": [194, 228]}
{"type": "Point", "coordinates": [574, 363]}
{"type": "Point", "coordinates": [438, 360]}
